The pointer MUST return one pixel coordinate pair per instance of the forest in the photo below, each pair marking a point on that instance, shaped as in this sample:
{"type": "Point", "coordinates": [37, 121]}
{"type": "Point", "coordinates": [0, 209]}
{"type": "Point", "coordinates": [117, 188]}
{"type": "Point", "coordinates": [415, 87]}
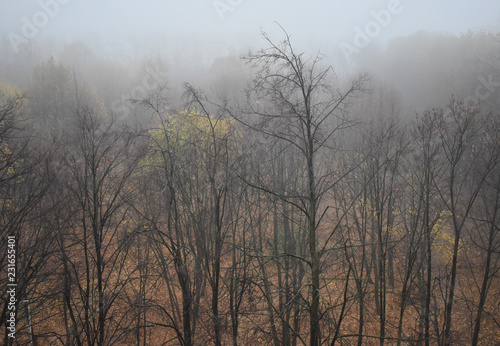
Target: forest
{"type": "Point", "coordinates": [262, 198]}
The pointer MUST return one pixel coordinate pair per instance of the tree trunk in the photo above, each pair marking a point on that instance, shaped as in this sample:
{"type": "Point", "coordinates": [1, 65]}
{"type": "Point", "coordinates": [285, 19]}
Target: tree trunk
{"type": "Point", "coordinates": [486, 276]}
{"type": "Point", "coordinates": [315, 271]}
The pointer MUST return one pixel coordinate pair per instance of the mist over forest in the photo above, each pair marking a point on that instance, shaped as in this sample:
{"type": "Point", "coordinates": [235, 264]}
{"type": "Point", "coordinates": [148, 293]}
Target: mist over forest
{"type": "Point", "coordinates": [249, 172]}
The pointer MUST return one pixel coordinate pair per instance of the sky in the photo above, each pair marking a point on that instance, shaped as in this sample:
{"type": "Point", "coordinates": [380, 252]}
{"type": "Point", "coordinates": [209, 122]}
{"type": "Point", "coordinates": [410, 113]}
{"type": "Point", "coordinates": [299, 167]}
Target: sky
{"type": "Point", "coordinates": [334, 22]}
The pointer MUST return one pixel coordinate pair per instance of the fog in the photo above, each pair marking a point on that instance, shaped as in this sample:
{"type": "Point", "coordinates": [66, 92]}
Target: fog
{"type": "Point", "coordinates": [249, 172]}
{"type": "Point", "coordinates": [408, 44]}
{"type": "Point", "coordinates": [330, 21]}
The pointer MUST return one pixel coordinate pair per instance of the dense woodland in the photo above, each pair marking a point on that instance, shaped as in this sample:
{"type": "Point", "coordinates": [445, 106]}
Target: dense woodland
{"type": "Point", "coordinates": [271, 200]}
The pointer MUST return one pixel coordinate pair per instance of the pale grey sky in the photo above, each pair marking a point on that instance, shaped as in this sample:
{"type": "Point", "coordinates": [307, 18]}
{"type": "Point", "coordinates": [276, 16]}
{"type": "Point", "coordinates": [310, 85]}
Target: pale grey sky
{"type": "Point", "coordinates": [331, 21]}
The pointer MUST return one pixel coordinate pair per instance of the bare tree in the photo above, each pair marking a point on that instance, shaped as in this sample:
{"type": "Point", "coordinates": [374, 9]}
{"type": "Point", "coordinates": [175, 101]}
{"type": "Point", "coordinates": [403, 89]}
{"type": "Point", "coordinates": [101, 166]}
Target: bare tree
{"type": "Point", "coordinates": [485, 215]}
{"type": "Point", "coordinates": [294, 100]}
{"type": "Point", "coordinates": [100, 166]}
{"type": "Point", "coordinates": [24, 182]}
{"type": "Point", "coordinates": [459, 133]}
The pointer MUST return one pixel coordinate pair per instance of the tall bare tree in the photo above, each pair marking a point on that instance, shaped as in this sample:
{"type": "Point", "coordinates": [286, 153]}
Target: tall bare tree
{"type": "Point", "coordinates": [484, 230]}
{"type": "Point", "coordinates": [294, 99]}
{"type": "Point", "coordinates": [459, 131]}
{"type": "Point", "coordinates": [100, 164]}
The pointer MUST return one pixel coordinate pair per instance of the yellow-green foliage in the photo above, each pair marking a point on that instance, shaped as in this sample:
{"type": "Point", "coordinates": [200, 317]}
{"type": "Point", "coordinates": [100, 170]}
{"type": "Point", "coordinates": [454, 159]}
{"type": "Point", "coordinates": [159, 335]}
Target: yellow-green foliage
{"type": "Point", "coordinates": [10, 104]}
{"type": "Point", "coordinates": [11, 100]}
{"type": "Point", "coordinates": [444, 239]}
{"type": "Point", "coordinates": [8, 91]}
{"type": "Point", "coordinates": [188, 136]}
{"type": "Point", "coordinates": [10, 97]}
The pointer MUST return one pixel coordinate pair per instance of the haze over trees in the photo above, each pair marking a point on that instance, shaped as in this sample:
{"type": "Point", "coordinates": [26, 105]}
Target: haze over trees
{"type": "Point", "coordinates": [270, 199]}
